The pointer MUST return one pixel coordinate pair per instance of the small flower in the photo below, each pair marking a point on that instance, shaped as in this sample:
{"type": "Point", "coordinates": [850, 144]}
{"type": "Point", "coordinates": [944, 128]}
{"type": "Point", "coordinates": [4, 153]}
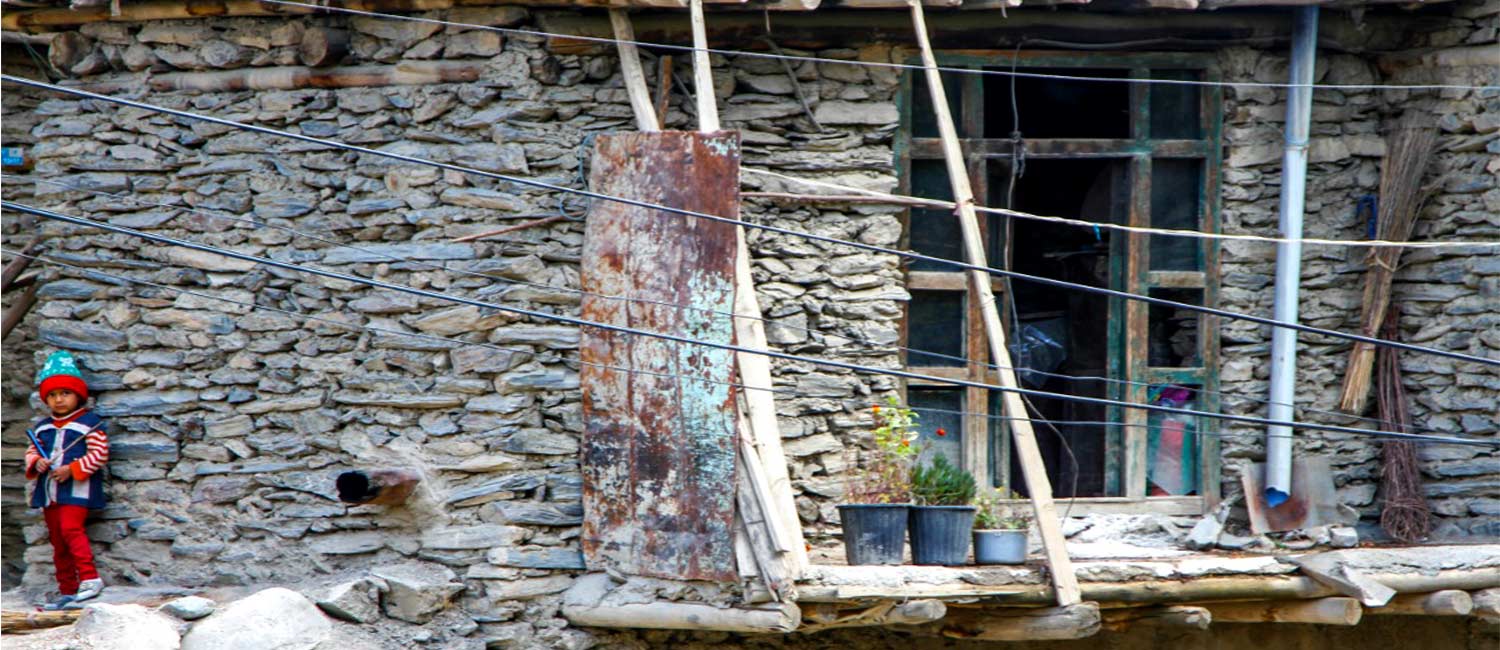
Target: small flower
{"type": "Point", "coordinates": [942, 432]}
{"type": "Point", "coordinates": [905, 443]}
{"type": "Point", "coordinates": [875, 408]}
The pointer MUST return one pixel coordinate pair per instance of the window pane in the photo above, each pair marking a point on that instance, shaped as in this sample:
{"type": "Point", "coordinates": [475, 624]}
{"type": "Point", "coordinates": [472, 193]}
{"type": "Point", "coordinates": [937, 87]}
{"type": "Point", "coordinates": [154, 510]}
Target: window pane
{"type": "Point", "coordinates": [940, 410]}
{"type": "Point", "coordinates": [935, 323]}
{"type": "Point", "coordinates": [923, 118]}
{"type": "Point", "coordinates": [1175, 109]}
{"type": "Point", "coordinates": [1175, 331]}
{"type": "Point", "coordinates": [1172, 445]}
{"type": "Point", "coordinates": [1057, 108]}
{"type": "Point", "coordinates": [933, 232]}
{"type": "Point", "coordinates": [1176, 189]}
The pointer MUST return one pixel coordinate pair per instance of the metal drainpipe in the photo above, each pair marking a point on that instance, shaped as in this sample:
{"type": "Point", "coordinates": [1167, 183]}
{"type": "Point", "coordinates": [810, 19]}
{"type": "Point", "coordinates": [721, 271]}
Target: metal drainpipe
{"type": "Point", "coordinates": [1289, 256]}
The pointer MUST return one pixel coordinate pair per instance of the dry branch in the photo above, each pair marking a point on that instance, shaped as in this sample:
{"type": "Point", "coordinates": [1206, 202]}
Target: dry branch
{"type": "Point", "coordinates": [509, 229]}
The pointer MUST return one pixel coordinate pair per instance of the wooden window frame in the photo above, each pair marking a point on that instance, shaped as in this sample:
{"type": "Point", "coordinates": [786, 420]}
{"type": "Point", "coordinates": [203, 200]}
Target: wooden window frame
{"type": "Point", "coordinates": [1128, 355]}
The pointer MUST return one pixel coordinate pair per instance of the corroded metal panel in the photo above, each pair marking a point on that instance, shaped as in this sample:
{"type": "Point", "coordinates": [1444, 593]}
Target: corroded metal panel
{"type": "Point", "coordinates": [659, 441]}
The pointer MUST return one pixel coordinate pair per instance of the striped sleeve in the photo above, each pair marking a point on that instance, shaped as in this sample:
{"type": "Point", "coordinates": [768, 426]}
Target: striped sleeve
{"type": "Point", "coordinates": [31, 458]}
{"type": "Point", "coordinates": [98, 453]}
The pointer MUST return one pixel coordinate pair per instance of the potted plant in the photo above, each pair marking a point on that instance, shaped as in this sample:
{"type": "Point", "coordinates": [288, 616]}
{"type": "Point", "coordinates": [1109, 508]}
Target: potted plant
{"type": "Point", "coordinates": [879, 490]}
{"type": "Point", "coordinates": [942, 518]}
{"type": "Point", "coordinates": [1000, 531]}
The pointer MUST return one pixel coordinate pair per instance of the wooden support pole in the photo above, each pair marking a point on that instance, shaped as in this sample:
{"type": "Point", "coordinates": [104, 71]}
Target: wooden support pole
{"type": "Point", "coordinates": [1323, 611]}
{"type": "Point", "coordinates": [13, 270]}
{"type": "Point", "coordinates": [1041, 624]}
{"type": "Point", "coordinates": [1038, 486]}
{"type": "Point", "coordinates": [1449, 602]}
{"type": "Point", "coordinates": [703, 79]}
{"type": "Point", "coordinates": [1487, 604]}
{"type": "Point", "coordinates": [1180, 616]}
{"type": "Point", "coordinates": [663, 88]}
{"type": "Point", "coordinates": [630, 68]}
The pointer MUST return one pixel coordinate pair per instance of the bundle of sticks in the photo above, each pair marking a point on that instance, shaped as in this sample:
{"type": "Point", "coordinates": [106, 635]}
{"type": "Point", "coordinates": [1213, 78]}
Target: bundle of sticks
{"type": "Point", "coordinates": [1404, 514]}
{"type": "Point", "coordinates": [1409, 149]}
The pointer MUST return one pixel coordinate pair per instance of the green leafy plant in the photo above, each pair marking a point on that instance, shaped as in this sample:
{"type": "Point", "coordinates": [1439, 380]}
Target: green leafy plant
{"type": "Point", "coordinates": [939, 483]}
{"type": "Point", "coordinates": [885, 476]}
{"type": "Point", "coordinates": [994, 514]}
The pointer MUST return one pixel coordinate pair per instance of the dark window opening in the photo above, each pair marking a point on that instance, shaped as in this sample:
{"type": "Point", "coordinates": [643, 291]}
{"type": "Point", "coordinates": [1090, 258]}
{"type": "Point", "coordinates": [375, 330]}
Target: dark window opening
{"type": "Point", "coordinates": [939, 410]}
{"type": "Point", "coordinates": [1175, 110]}
{"type": "Point", "coordinates": [1174, 330]}
{"type": "Point", "coordinates": [935, 325]}
{"type": "Point", "coordinates": [1176, 197]}
{"type": "Point", "coordinates": [1058, 108]}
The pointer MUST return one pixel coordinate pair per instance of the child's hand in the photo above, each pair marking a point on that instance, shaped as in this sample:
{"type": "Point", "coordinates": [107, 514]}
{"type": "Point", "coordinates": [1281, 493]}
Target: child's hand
{"type": "Point", "coordinates": [62, 473]}
{"type": "Point", "coordinates": [41, 465]}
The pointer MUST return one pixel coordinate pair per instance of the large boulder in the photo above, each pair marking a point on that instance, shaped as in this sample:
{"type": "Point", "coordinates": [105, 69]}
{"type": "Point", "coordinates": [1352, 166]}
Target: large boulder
{"type": "Point", "coordinates": [126, 627]}
{"type": "Point", "coordinates": [417, 590]}
{"type": "Point", "coordinates": [273, 619]}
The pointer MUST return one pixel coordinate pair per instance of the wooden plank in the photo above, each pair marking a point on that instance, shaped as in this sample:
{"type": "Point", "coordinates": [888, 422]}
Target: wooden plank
{"type": "Point", "coordinates": [703, 80]}
{"type": "Point", "coordinates": [1038, 486]}
{"type": "Point", "coordinates": [760, 529]}
{"type": "Point", "coordinates": [659, 443]}
{"type": "Point", "coordinates": [1035, 624]}
{"type": "Point", "coordinates": [763, 430]}
{"type": "Point", "coordinates": [1137, 326]}
{"type": "Point", "coordinates": [630, 69]}
{"type": "Point", "coordinates": [1178, 279]}
{"type": "Point", "coordinates": [1177, 616]}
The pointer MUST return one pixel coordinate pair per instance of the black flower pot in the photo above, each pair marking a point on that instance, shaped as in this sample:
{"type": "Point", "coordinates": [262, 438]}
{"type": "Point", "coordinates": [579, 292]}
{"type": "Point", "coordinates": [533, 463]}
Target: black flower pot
{"type": "Point", "coordinates": [874, 533]}
{"type": "Point", "coordinates": [941, 534]}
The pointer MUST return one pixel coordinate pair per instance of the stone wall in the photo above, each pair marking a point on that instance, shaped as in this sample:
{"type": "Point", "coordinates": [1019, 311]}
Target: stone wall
{"type": "Point", "coordinates": [1448, 298]}
{"type": "Point", "coordinates": [229, 422]}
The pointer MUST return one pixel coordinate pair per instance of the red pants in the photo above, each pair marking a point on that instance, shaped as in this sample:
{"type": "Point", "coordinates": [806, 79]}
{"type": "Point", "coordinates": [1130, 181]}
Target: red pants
{"type": "Point", "coordinates": [71, 555]}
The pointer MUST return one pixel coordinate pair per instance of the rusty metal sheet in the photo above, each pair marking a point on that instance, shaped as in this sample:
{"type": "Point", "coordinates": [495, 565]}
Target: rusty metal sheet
{"type": "Point", "coordinates": [1313, 502]}
{"type": "Point", "coordinates": [659, 442]}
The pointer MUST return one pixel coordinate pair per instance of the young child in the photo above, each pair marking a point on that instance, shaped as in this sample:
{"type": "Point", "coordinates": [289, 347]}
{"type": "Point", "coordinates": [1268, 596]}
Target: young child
{"type": "Point", "coordinates": [73, 449]}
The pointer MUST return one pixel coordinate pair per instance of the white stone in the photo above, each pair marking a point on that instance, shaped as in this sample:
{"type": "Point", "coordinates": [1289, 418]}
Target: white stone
{"type": "Point", "coordinates": [356, 601]}
{"type": "Point", "coordinates": [273, 619]}
{"type": "Point", "coordinates": [418, 590]}
{"type": "Point", "coordinates": [125, 627]}
{"type": "Point", "coordinates": [189, 608]}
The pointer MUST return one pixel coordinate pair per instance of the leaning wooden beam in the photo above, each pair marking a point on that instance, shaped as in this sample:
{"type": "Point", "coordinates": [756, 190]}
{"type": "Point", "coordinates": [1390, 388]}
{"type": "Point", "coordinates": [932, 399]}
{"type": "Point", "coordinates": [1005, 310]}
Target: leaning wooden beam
{"type": "Point", "coordinates": [630, 69]}
{"type": "Point", "coordinates": [1487, 604]}
{"type": "Point", "coordinates": [13, 270]}
{"type": "Point", "coordinates": [407, 73]}
{"type": "Point", "coordinates": [17, 310]}
{"type": "Point", "coordinates": [760, 526]}
{"type": "Point", "coordinates": [703, 80]}
{"type": "Point", "coordinates": [588, 603]}
{"type": "Point", "coordinates": [1181, 616]}
{"type": "Point", "coordinates": [1038, 486]}
{"type": "Point", "coordinates": [1323, 611]}
{"type": "Point", "coordinates": [1041, 624]}
{"type": "Point", "coordinates": [816, 618]}
{"type": "Point", "coordinates": [1448, 602]}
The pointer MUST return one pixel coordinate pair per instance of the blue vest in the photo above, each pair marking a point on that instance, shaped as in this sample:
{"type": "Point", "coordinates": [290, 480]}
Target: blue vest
{"type": "Point", "coordinates": [70, 438]}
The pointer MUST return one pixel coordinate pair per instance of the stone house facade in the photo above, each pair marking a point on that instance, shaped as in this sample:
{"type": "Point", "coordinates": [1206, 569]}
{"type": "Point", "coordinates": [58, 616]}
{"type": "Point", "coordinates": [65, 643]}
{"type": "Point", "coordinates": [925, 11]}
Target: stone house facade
{"type": "Point", "coordinates": [236, 392]}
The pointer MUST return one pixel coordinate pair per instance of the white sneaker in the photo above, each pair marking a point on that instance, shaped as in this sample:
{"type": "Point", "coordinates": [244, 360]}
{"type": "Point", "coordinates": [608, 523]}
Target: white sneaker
{"type": "Point", "coordinates": [88, 589]}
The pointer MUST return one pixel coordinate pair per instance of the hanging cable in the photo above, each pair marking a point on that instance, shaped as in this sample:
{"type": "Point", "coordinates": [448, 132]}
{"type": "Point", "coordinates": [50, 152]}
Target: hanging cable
{"type": "Point", "coordinates": [345, 325]}
{"type": "Point", "coordinates": [764, 227]}
{"type": "Point", "coordinates": [160, 239]}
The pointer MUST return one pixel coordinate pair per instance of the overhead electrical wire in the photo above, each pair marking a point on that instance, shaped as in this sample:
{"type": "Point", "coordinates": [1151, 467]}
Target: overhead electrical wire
{"type": "Point", "coordinates": [160, 239]}
{"type": "Point", "coordinates": [219, 214]}
{"type": "Point", "coordinates": [764, 227]}
{"type": "Point", "coordinates": [328, 8]}
{"type": "Point", "coordinates": [350, 327]}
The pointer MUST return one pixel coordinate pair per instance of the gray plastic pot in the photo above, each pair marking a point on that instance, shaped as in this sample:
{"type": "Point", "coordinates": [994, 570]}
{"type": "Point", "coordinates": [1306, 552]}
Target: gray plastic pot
{"type": "Point", "coordinates": [940, 534]}
{"type": "Point", "coordinates": [874, 533]}
{"type": "Point", "coordinates": [1000, 546]}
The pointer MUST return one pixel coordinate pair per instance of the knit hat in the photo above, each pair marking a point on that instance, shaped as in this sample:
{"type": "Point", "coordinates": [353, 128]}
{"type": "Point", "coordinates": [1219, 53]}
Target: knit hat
{"type": "Point", "coordinates": [61, 371]}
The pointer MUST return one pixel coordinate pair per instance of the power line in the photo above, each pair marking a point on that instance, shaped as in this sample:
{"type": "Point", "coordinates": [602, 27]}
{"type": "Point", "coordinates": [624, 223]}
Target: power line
{"type": "Point", "coordinates": [1168, 232]}
{"type": "Point", "coordinates": [344, 325]}
{"type": "Point", "coordinates": [217, 214]}
{"type": "Point", "coordinates": [768, 228]}
{"type": "Point", "coordinates": [56, 216]}
{"type": "Point", "coordinates": [872, 64]}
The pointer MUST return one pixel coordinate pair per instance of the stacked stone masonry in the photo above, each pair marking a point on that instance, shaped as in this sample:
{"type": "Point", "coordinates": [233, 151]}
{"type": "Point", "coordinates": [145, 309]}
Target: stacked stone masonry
{"type": "Point", "coordinates": [228, 422]}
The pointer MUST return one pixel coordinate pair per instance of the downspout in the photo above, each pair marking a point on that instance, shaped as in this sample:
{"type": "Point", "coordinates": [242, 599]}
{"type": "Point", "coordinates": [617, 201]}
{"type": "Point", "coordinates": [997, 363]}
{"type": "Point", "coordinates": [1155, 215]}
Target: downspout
{"type": "Point", "coordinates": [1289, 256]}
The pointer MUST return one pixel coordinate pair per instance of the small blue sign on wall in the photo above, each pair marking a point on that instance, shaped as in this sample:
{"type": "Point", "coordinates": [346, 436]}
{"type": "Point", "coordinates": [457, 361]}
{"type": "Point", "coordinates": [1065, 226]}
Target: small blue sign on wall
{"type": "Point", "coordinates": [12, 156]}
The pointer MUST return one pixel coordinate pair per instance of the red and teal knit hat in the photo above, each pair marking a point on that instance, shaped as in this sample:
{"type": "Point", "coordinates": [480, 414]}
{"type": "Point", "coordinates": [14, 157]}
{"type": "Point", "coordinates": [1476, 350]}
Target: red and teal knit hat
{"type": "Point", "coordinates": [61, 371]}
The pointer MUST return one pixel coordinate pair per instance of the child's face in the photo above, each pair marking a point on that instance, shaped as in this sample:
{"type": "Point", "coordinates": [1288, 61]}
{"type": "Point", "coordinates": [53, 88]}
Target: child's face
{"type": "Point", "coordinates": [62, 401]}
